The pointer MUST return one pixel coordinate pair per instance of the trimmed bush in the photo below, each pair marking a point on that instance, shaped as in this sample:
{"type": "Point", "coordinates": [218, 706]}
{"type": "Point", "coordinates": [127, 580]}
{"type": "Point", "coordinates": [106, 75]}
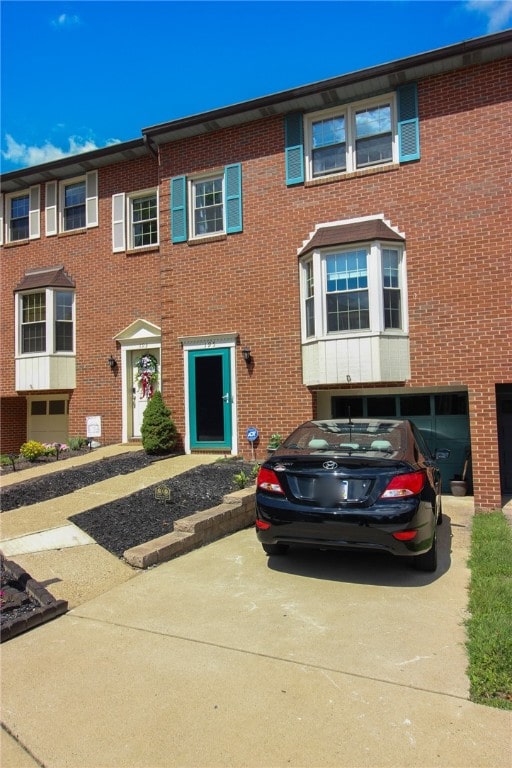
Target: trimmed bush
{"type": "Point", "coordinates": [32, 450]}
{"type": "Point", "coordinates": [158, 429]}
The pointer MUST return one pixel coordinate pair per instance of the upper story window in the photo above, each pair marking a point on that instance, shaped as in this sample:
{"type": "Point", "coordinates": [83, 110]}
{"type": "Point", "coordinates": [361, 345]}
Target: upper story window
{"type": "Point", "coordinates": [72, 204]}
{"type": "Point", "coordinates": [135, 220]}
{"type": "Point", "coordinates": [19, 218]}
{"type": "Point", "coordinates": [22, 215]}
{"type": "Point", "coordinates": [205, 206]}
{"type": "Point", "coordinates": [46, 322]}
{"type": "Point", "coordinates": [144, 220]}
{"type": "Point", "coordinates": [353, 288]}
{"type": "Point", "coordinates": [351, 137]}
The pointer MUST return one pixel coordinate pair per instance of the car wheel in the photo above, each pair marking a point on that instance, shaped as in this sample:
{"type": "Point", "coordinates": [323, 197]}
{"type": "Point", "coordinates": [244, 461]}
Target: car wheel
{"type": "Point", "coordinates": [275, 549]}
{"type": "Point", "coordinates": [440, 513]}
{"type": "Point", "coordinates": [428, 560]}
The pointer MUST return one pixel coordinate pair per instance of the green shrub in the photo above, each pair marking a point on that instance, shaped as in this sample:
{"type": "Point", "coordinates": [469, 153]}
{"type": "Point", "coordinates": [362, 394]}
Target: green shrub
{"type": "Point", "coordinates": [77, 443]}
{"type": "Point", "coordinates": [158, 429]}
{"type": "Point", "coordinates": [32, 450]}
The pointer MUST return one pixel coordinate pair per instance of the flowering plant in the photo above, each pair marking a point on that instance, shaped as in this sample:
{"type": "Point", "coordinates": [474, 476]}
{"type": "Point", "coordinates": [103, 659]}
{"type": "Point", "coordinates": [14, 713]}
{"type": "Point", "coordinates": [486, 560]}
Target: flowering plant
{"type": "Point", "coordinates": [147, 375]}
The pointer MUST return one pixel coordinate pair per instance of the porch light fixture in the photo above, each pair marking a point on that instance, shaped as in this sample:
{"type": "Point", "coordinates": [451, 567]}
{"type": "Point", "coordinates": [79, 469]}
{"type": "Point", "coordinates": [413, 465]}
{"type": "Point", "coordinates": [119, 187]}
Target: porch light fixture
{"type": "Point", "coordinates": [112, 363]}
{"type": "Point", "coordinates": [246, 354]}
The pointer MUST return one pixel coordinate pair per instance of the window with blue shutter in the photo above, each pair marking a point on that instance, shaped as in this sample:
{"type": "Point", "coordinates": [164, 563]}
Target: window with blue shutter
{"type": "Point", "coordinates": [408, 123]}
{"type": "Point", "coordinates": [233, 192]}
{"type": "Point", "coordinates": [294, 148]}
{"type": "Point", "coordinates": [179, 209]}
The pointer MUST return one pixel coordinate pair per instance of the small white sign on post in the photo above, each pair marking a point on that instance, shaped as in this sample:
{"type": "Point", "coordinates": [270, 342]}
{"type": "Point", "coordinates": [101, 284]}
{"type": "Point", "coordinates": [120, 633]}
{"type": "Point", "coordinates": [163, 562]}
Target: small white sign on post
{"type": "Point", "coordinates": [93, 424]}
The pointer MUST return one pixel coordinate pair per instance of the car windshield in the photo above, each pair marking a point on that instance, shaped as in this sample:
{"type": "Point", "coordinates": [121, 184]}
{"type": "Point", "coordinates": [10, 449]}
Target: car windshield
{"type": "Point", "coordinates": [368, 437]}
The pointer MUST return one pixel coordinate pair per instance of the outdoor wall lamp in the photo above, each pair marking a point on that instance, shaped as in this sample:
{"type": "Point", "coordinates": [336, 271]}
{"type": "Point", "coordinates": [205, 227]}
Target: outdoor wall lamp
{"type": "Point", "coordinates": [246, 354]}
{"type": "Point", "coordinates": [112, 363]}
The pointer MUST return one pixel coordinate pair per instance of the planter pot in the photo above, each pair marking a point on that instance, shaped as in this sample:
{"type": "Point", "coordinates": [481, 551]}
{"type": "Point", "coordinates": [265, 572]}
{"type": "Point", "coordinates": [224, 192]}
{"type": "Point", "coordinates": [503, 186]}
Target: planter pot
{"type": "Point", "coordinates": [458, 487]}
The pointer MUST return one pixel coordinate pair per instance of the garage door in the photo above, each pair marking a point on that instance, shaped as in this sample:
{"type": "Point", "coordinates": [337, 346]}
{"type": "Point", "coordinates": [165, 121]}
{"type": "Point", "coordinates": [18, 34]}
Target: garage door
{"type": "Point", "coordinates": [47, 419]}
{"type": "Point", "coordinates": [442, 418]}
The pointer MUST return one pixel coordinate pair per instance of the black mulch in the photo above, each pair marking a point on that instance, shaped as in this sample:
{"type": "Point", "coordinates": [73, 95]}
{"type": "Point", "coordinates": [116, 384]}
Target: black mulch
{"type": "Point", "coordinates": [142, 516]}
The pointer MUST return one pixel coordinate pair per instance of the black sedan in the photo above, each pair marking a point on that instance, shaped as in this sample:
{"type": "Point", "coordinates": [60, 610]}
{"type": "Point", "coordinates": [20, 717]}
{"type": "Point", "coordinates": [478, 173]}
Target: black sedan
{"type": "Point", "coordinates": [352, 484]}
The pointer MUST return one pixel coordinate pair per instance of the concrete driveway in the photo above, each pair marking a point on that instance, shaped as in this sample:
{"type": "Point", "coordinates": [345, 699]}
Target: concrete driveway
{"type": "Point", "coordinates": [224, 657]}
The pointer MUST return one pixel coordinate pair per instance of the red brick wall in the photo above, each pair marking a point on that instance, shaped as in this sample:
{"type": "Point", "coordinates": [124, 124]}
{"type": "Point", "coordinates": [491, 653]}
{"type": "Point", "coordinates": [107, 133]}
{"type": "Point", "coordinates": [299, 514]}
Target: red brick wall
{"type": "Point", "coordinates": [13, 423]}
{"type": "Point", "coordinates": [454, 208]}
{"type": "Point", "coordinates": [112, 290]}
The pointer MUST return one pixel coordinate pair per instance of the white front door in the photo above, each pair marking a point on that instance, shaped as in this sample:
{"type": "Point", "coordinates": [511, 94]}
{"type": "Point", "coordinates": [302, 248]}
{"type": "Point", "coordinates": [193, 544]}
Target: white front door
{"type": "Point", "coordinates": [144, 383]}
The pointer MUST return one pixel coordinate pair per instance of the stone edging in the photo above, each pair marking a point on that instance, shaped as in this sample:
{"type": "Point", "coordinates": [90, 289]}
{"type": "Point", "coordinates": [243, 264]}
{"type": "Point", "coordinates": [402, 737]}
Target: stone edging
{"type": "Point", "coordinates": [47, 608]}
{"type": "Point", "coordinates": [237, 511]}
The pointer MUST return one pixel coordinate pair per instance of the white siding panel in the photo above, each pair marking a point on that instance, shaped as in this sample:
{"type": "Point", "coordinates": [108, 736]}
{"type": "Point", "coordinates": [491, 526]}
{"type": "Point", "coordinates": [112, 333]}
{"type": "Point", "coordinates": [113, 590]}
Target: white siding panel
{"type": "Point", "coordinates": [366, 359]}
{"type": "Point", "coordinates": [45, 372]}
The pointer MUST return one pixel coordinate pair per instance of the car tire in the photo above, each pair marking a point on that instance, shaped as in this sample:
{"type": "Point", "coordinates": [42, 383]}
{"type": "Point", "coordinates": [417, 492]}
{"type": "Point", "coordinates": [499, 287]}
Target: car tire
{"type": "Point", "coordinates": [440, 513]}
{"type": "Point", "coordinates": [275, 549]}
{"type": "Point", "coordinates": [428, 560]}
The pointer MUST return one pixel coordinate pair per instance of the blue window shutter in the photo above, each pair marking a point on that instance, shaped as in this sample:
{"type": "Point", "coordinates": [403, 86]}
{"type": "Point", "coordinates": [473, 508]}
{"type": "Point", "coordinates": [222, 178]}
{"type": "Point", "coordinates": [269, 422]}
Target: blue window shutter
{"type": "Point", "coordinates": [233, 191]}
{"type": "Point", "coordinates": [294, 148]}
{"type": "Point", "coordinates": [408, 123]}
{"type": "Point", "coordinates": [179, 209]}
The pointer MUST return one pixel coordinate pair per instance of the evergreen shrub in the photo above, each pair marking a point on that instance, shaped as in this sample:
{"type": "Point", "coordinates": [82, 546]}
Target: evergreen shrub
{"type": "Point", "coordinates": [158, 429]}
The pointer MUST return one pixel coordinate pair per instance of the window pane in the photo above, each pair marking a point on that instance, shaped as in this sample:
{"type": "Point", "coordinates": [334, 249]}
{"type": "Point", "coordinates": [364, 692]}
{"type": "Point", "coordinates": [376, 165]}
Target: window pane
{"type": "Point", "coordinates": [33, 338]}
{"type": "Point", "coordinates": [310, 300]}
{"type": "Point", "coordinates": [145, 221]}
{"type": "Point", "coordinates": [379, 407]}
{"type": "Point", "coordinates": [19, 223]}
{"type": "Point", "coordinates": [392, 309]}
{"type": "Point", "coordinates": [329, 145]}
{"type": "Point", "coordinates": [63, 337]}
{"type": "Point", "coordinates": [74, 205]}
{"type": "Point", "coordinates": [370, 122]}
{"type": "Point", "coordinates": [33, 323]}
{"type": "Point", "coordinates": [348, 311]}
{"type": "Point", "coordinates": [347, 407]}
{"type": "Point", "coordinates": [451, 404]}
{"type": "Point", "coordinates": [208, 207]}
{"type": "Point", "coordinates": [415, 405]}
{"type": "Point", "coordinates": [63, 321]}
{"type": "Point", "coordinates": [56, 407]}
{"type": "Point", "coordinates": [373, 136]}
{"type": "Point", "coordinates": [38, 408]}
{"type": "Point", "coordinates": [64, 305]}
{"type": "Point", "coordinates": [33, 307]}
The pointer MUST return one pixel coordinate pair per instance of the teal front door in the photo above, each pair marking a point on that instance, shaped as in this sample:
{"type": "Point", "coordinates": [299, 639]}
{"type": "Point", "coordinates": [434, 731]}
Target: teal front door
{"type": "Point", "coordinates": [210, 400]}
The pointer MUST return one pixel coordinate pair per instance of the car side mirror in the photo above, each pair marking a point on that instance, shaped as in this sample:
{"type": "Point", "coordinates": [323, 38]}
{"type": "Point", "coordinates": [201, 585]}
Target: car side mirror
{"type": "Point", "coordinates": [443, 453]}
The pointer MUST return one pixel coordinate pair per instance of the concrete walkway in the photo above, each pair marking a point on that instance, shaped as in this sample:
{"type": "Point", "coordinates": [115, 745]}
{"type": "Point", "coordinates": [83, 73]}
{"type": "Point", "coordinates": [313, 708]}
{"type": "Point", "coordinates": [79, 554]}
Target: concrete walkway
{"type": "Point", "coordinates": [226, 658]}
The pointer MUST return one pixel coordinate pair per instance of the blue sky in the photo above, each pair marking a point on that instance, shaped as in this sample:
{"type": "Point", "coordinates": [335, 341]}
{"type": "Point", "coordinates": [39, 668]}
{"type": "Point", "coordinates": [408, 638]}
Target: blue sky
{"type": "Point", "coordinates": [76, 76]}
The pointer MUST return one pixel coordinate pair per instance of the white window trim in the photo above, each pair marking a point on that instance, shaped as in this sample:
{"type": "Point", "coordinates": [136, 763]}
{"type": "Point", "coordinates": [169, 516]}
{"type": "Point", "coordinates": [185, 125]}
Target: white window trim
{"type": "Point", "coordinates": [50, 323]}
{"type": "Point", "coordinates": [375, 289]}
{"type": "Point", "coordinates": [191, 182]}
{"type": "Point", "coordinates": [34, 207]}
{"type": "Point", "coordinates": [349, 111]}
{"type": "Point", "coordinates": [90, 202]}
{"type": "Point", "coordinates": [129, 218]}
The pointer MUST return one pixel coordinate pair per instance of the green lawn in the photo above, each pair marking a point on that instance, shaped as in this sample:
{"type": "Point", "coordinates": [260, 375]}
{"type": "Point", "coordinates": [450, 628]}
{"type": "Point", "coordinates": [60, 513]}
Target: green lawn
{"type": "Point", "coordinates": [489, 627]}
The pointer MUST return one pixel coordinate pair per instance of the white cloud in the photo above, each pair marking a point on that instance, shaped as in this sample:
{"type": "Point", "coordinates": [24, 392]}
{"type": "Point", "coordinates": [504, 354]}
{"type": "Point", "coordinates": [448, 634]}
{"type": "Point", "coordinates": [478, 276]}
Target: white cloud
{"type": "Point", "coordinates": [66, 20]}
{"type": "Point", "coordinates": [24, 155]}
{"type": "Point", "coordinates": [498, 12]}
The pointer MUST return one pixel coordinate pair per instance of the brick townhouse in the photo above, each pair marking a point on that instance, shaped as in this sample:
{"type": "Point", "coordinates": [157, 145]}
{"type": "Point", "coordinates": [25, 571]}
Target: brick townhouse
{"type": "Point", "coordinates": [343, 247]}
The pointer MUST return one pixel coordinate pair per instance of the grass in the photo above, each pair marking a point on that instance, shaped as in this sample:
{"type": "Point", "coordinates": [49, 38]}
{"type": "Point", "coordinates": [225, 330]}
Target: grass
{"type": "Point", "coordinates": [489, 627]}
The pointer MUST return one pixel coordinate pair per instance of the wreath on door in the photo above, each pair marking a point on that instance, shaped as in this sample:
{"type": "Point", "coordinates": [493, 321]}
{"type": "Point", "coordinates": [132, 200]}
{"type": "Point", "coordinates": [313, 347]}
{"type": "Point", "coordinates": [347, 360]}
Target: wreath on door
{"type": "Point", "coordinates": [147, 375]}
